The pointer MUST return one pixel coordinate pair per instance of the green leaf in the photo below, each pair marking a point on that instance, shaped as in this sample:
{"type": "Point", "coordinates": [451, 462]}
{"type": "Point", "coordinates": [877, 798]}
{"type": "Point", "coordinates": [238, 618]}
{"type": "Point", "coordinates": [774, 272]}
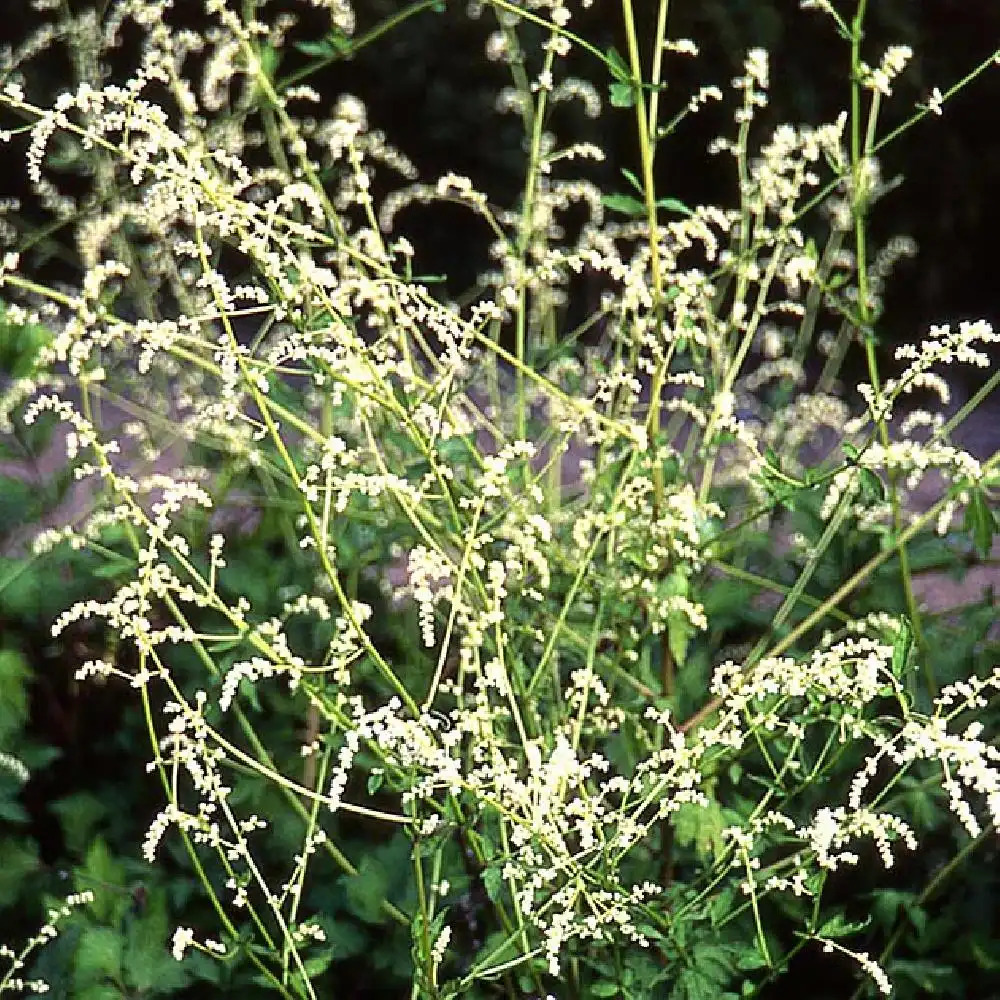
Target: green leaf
{"type": "Point", "coordinates": [314, 967]}
{"type": "Point", "coordinates": [710, 968]}
{"type": "Point", "coordinates": [14, 677]}
{"type": "Point", "coordinates": [931, 552]}
{"type": "Point", "coordinates": [932, 978]}
{"type": "Point", "coordinates": [980, 522]}
{"type": "Point", "coordinates": [78, 814]}
{"type": "Point", "coordinates": [493, 882]}
{"type": "Point", "coordinates": [318, 49]}
{"type": "Point", "coordinates": [113, 566]}
{"type": "Point", "coordinates": [148, 963]}
{"type": "Point", "coordinates": [621, 95]}
{"type": "Point", "coordinates": [19, 345]}
{"type": "Point", "coordinates": [632, 179]}
{"type": "Point", "coordinates": [100, 871]}
{"type": "Point", "coordinates": [839, 926]}
{"type": "Point", "coordinates": [679, 627]}
{"type": "Point", "coordinates": [11, 811]}
{"type": "Point", "coordinates": [700, 827]}
{"type": "Point", "coordinates": [224, 645]}
{"type": "Point", "coordinates": [18, 859]}
{"type": "Point", "coordinates": [99, 991]}
{"type": "Point", "coordinates": [367, 890]}
{"type": "Point", "coordinates": [623, 203]}
{"type": "Point", "coordinates": [346, 937]}
{"type": "Point", "coordinates": [673, 205]}
{"type": "Point", "coordinates": [617, 65]}
{"type": "Point", "coordinates": [679, 633]}
{"type": "Point", "coordinates": [323, 49]}
{"type": "Point", "coordinates": [986, 959]}
{"type": "Point", "coordinates": [98, 956]}
{"type": "Point", "coordinates": [269, 57]}
{"type": "Point", "coordinates": [498, 948]}
{"type": "Point", "coordinates": [21, 589]}
{"type": "Point", "coordinates": [901, 648]}
{"type": "Point", "coordinates": [603, 990]}
{"type": "Point", "coordinates": [335, 45]}
{"type": "Point", "coordinates": [714, 962]}
{"type": "Point", "coordinates": [20, 502]}
{"type": "Point", "coordinates": [750, 960]}
{"type": "Point", "coordinates": [872, 488]}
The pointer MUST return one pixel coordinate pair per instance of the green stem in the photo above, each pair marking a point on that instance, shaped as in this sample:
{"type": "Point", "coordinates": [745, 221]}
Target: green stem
{"type": "Point", "coordinates": [860, 156]}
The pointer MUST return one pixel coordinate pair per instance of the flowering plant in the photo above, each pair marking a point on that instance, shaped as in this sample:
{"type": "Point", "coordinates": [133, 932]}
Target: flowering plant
{"type": "Point", "coordinates": [596, 784]}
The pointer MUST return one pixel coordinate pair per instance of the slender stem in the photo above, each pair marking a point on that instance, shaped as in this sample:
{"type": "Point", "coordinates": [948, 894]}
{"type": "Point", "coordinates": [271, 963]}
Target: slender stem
{"type": "Point", "coordinates": [860, 158]}
{"type": "Point", "coordinates": [655, 75]}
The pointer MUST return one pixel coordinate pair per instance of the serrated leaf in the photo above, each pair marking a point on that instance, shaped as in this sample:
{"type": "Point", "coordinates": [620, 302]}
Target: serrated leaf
{"type": "Point", "coordinates": [98, 956]}
{"type": "Point", "coordinates": [700, 827]}
{"type": "Point", "coordinates": [99, 872]}
{"type": "Point", "coordinates": [148, 963]}
{"type": "Point", "coordinates": [493, 882]}
{"type": "Point", "coordinates": [621, 95]}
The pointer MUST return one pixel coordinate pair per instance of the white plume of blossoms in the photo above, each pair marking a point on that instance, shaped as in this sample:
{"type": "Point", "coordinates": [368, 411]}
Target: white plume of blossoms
{"type": "Point", "coordinates": [893, 63]}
